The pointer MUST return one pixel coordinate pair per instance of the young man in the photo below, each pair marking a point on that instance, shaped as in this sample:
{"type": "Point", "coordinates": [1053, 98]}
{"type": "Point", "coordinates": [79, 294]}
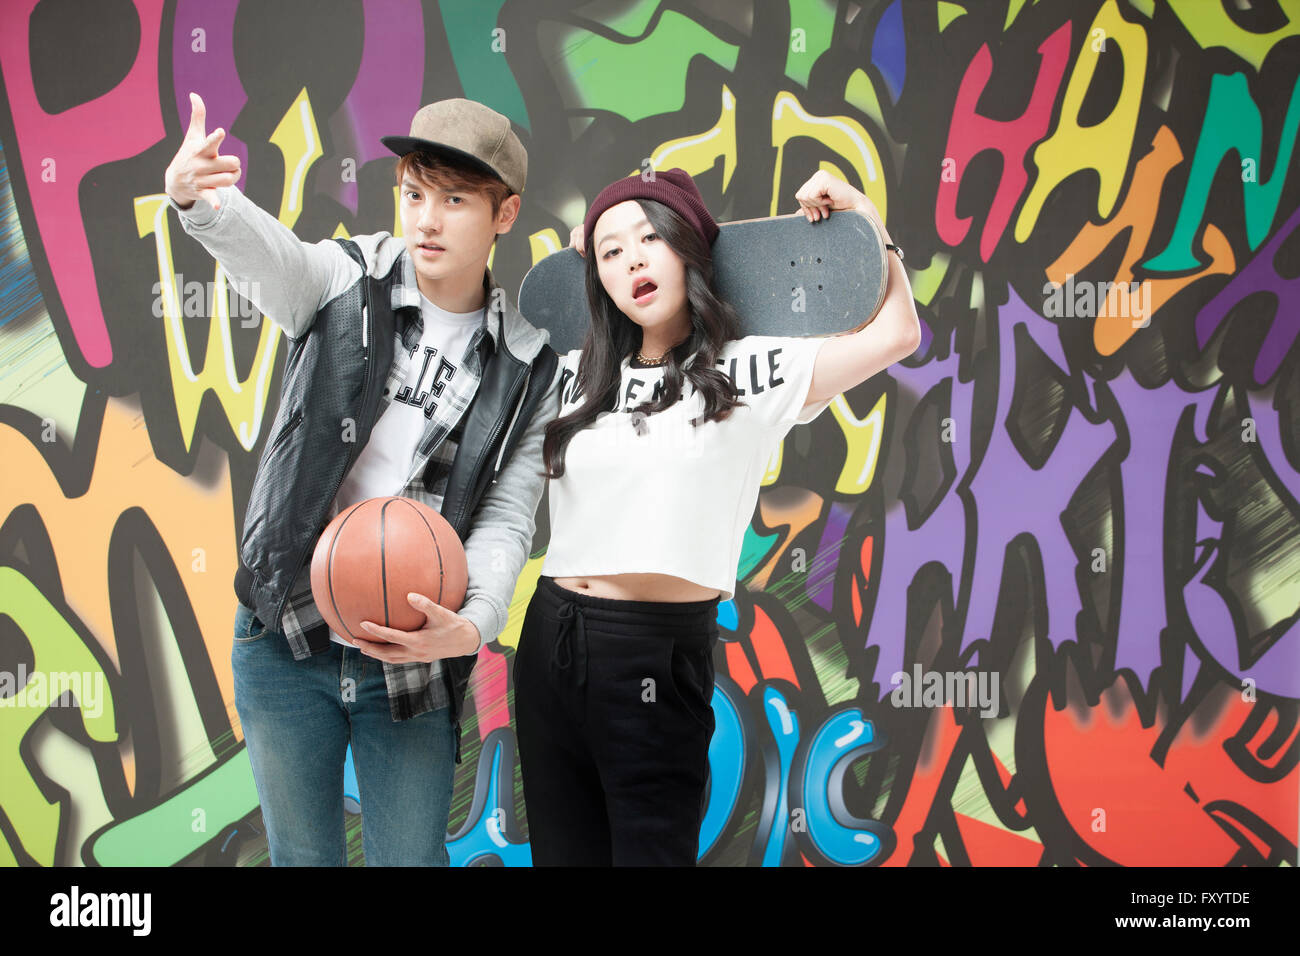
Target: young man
{"type": "Point", "coordinates": [409, 372]}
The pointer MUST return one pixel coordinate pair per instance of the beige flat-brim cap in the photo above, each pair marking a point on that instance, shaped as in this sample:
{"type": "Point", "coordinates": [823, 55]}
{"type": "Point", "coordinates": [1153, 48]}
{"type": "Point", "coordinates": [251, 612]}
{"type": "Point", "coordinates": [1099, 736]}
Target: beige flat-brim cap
{"type": "Point", "coordinates": [470, 132]}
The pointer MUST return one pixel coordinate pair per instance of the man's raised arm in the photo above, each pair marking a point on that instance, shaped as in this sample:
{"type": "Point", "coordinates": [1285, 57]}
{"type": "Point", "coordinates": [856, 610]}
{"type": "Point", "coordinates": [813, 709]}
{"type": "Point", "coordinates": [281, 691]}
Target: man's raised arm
{"type": "Point", "coordinates": [284, 277]}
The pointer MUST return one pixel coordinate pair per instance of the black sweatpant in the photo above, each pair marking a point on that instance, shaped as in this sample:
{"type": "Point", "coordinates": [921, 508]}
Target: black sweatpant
{"type": "Point", "coordinates": [614, 716]}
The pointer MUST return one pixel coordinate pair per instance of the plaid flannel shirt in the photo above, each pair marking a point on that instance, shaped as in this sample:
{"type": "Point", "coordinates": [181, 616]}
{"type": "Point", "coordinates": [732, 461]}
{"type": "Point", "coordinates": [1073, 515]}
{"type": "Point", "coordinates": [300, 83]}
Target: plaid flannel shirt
{"type": "Point", "coordinates": [413, 689]}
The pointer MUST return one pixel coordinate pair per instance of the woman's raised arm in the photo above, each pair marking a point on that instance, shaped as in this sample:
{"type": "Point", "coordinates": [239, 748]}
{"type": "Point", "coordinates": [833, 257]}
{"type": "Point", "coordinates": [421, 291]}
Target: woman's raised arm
{"type": "Point", "coordinates": [849, 359]}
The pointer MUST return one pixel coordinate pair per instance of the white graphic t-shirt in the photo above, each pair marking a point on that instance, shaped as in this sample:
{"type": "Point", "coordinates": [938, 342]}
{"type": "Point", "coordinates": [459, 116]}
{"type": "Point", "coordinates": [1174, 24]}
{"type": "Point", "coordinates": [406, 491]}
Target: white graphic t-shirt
{"type": "Point", "coordinates": [652, 494]}
{"type": "Point", "coordinates": [384, 464]}
{"type": "Point", "coordinates": [414, 388]}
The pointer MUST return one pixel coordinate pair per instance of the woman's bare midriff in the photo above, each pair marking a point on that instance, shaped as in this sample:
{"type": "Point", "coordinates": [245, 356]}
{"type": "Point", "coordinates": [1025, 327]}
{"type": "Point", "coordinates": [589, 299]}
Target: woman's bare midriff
{"type": "Point", "coordinates": [639, 587]}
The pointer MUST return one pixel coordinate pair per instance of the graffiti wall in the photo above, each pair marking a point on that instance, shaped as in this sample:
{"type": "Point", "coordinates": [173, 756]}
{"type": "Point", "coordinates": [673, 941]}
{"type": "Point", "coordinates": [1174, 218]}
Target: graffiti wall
{"type": "Point", "coordinates": [1029, 597]}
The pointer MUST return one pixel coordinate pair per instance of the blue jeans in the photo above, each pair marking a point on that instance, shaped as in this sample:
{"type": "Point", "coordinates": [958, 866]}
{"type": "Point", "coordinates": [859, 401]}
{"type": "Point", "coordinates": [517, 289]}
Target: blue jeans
{"type": "Point", "coordinates": [298, 718]}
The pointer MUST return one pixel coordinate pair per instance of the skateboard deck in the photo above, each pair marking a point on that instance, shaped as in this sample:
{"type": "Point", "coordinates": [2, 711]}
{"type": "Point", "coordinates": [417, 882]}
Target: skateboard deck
{"type": "Point", "coordinates": [784, 276]}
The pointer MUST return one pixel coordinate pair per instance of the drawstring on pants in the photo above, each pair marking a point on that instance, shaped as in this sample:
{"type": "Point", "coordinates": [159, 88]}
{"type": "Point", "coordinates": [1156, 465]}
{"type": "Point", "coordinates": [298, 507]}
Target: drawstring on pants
{"type": "Point", "coordinates": [571, 613]}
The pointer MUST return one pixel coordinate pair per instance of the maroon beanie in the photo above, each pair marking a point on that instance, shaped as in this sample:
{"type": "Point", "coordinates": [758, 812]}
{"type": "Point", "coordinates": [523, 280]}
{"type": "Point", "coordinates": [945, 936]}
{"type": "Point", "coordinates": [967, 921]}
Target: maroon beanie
{"type": "Point", "coordinates": [672, 187]}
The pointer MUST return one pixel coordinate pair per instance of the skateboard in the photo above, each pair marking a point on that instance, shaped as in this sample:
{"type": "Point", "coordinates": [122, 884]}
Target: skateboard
{"type": "Point", "coordinates": [784, 276]}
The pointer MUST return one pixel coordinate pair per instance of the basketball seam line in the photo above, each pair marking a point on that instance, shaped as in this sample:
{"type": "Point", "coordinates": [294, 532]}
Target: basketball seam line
{"type": "Point", "coordinates": [383, 561]}
{"type": "Point", "coordinates": [330, 576]}
{"type": "Point", "coordinates": [436, 548]}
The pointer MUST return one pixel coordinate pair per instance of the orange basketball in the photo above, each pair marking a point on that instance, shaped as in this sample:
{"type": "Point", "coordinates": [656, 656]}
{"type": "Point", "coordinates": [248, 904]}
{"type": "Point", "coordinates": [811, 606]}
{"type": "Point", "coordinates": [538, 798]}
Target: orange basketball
{"type": "Point", "coordinates": [374, 554]}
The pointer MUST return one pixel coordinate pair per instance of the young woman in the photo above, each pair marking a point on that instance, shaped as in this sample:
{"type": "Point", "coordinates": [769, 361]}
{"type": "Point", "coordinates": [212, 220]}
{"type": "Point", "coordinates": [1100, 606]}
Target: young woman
{"type": "Point", "coordinates": [667, 421]}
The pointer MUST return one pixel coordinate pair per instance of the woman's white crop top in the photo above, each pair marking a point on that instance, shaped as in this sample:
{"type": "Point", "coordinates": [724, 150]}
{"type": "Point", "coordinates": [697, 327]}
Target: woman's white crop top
{"type": "Point", "coordinates": [651, 493]}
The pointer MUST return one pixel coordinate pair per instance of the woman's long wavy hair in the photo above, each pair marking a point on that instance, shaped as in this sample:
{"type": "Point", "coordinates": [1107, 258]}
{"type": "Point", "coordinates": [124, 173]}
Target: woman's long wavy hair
{"type": "Point", "coordinates": [613, 337]}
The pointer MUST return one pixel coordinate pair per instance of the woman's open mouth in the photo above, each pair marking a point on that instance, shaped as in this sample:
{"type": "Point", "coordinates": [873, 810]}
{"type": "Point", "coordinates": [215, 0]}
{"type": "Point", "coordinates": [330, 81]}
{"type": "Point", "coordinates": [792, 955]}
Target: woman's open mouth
{"type": "Point", "coordinates": [644, 292]}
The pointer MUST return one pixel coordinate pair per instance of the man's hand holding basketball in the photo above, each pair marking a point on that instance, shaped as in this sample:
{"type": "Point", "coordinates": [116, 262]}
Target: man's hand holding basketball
{"type": "Point", "coordinates": [445, 634]}
{"type": "Point", "coordinates": [198, 169]}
